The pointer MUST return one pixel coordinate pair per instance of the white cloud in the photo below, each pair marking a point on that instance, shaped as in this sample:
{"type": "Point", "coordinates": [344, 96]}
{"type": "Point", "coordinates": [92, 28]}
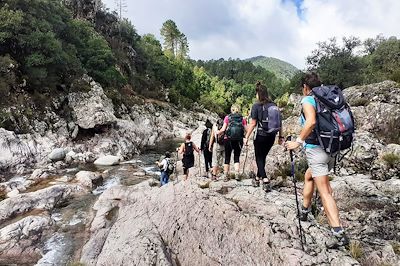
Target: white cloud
{"type": "Point", "coordinates": [245, 28]}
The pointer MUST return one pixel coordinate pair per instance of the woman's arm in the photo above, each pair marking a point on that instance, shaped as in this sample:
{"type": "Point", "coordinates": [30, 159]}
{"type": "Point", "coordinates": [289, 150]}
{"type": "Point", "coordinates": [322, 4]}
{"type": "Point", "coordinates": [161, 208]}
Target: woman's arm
{"type": "Point", "coordinates": [212, 138]}
{"type": "Point", "coordinates": [182, 148]}
{"type": "Point", "coordinates": [196, 148]}
{"type": "Point", "coordinates": [311, 120]}
{"type": "Point", "coordinates": [222, 130]}
{"type": "Point", "coordinates": [250, 128]}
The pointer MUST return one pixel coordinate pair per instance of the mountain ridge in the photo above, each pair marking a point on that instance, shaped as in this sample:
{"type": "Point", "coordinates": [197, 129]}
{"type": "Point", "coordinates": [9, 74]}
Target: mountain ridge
{"type": "Point", "coordinates": [279, 67]}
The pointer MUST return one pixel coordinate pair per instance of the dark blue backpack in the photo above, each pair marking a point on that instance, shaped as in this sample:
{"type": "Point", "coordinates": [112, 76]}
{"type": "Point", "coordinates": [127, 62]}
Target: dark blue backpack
{"type": "Point", "coordinates": [335, 123]}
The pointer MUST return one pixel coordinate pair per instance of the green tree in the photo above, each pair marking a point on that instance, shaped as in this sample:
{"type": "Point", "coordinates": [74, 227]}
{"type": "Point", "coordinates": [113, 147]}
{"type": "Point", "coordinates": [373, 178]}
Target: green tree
{"type": "Point", "coordinates": [337, 64]}
{"type": "Point", "coordinates": [385, 60]}
{"type": "Point", "coordinates": [10, 23]}
{"type": "Point", "coordinates": [183, 46]}
{"type": "Point", "coordinates": [171, 35]}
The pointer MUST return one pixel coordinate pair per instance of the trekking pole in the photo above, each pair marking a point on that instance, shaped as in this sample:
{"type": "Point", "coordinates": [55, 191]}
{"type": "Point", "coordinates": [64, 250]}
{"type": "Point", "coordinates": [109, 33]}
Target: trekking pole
{"type": "Point", "coordinates": [295, 193]}
{"type": "Point", "coordinates": [245, 158]}
{"type": "Point", "coordinates": [176, 167]}
{"type": "Point", "coordinates": [199, 162]}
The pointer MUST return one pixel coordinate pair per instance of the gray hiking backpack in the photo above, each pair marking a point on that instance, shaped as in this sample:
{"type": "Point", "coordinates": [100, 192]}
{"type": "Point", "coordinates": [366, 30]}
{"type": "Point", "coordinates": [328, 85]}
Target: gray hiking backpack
{"type": "Point", "coordinates": [170, 166]}
{"type": "Point", "coordinates": [270, 119]}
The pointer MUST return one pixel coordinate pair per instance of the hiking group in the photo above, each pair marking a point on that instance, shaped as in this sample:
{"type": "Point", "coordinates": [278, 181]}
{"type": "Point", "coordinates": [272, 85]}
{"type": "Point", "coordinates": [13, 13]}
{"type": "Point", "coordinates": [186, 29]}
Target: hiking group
{"type": "Point", "coordinates": [327, 129]}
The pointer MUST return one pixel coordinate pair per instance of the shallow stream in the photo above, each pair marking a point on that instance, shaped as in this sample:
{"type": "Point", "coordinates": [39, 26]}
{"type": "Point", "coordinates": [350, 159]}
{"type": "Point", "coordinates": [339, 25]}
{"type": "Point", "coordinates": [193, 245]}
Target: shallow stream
{"type": "Point", "coordinates": [73, 218]}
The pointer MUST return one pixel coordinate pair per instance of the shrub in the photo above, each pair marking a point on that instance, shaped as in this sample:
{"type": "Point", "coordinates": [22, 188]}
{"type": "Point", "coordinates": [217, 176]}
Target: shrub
{"type": "Point", "coordinates": [356, 250]}
{"type": "Point", "coordinates": [391, 159]}
{"type": "Point", "coordinates": [283, 100]}
{"type": "Point", "coordinates": [396, 247]}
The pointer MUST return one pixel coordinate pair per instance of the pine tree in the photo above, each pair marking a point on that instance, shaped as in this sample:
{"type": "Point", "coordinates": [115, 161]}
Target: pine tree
{"type": "Point", "coordinates": [171, 35]}
{"type": "Point", "coordinates": [183, 46]}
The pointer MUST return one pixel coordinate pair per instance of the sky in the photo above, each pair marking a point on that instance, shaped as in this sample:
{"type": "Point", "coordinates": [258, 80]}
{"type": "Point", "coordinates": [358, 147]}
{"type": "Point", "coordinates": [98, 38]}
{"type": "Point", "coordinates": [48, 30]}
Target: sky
{"type": "Point", "coordinates": [285, 29]}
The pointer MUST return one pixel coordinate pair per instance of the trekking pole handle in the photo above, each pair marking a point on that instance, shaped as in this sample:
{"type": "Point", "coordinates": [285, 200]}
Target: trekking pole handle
{"type": "Point", "coordinates": [289, 138]}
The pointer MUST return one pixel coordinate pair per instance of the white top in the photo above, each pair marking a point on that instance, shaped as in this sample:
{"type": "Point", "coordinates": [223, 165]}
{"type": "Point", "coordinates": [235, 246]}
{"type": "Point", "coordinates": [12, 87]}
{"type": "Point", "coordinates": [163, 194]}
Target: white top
{"type": "Point", "coordinates": [164, 164]}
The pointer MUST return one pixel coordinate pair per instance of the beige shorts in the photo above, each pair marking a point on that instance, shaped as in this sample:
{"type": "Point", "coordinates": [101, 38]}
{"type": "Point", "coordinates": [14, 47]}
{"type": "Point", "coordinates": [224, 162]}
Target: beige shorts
{"type": "Point", "coordinates": [319, 161]}
{"type": "Point", "coordinates": [218, 155]}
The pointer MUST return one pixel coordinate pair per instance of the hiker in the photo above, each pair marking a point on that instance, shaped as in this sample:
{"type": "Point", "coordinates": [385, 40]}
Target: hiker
{"type": "Point", "coordinates": [166, 167]}
{"type": "Point", "coordinates": [319, 163]}
{"type": "Point", "coordinates": [234, 128]}
{"type": "Point", "coordinates": [266, 119]}
{"type": "Point", "coordinates": [217, 147]}
{"type": "Point", "coordinates": [205, 143]}
{"type": "Point", "coordinates": [187, 149]}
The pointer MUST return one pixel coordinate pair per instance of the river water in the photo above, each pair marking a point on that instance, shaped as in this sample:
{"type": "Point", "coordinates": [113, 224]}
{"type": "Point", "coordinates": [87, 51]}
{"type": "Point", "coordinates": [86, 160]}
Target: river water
{"type": "Point", "coordinates": [73, 218]}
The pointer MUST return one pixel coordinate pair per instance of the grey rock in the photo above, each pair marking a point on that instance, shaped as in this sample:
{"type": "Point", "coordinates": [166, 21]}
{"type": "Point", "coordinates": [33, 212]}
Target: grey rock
{"type": "Point", "coordinates": [89, 179]}
{"type": "Point", "coordinates": [93, 108]}
{"type": "Point", "coordinates": [19, 241]}
{"type": "Point", "coordinates": [376, 108]}
{"type": "Point", "coordinates": [57, 154]}
{"type": "Point", "coordinates": [107, 160]}
{"type": "Point", "coordinates": [244, 227]}
{"type": "Point", "coordinates": [75, 132]}
{"type": "Point", "coordinates": [45, 199]}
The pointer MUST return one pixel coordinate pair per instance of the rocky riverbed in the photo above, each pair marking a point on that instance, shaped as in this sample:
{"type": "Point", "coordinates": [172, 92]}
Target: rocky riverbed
{"type": "Point", "coordinates": [87, 197]}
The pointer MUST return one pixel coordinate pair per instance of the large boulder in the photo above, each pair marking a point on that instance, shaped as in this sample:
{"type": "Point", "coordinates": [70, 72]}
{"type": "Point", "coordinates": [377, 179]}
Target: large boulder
{"type": "Point", "coordinates": [244, 227]}
{"type": "Point", "coordinates": [16, 149]}
{"type": "Point", "coordinates": [108, 160]}
{"type": "Point", "coordinates": [376, 108]}
{"type": "Point", "coordinates": [57, 154]}
{"type": "Point", "coordinates": [92, 108]}
{"type": "Point", "coordinates": [19, 241]}
{"type": "Point", "coordinates": [45, 199]}
{"type": "Point", "coordinates": [365, 150]}
{"type": "Point", "coordinates": [387, 165]}
{"type": "Point", "coordinates": [89, 179]}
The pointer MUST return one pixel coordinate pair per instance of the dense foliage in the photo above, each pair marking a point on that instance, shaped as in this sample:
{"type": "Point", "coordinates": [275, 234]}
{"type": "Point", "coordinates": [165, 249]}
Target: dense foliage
{"type": "Point", "coordinates": [49, 50]}
{"type": "Point", "coordinates": [45, 48]}
{"type": "Point", "coordinates": [356, 62]}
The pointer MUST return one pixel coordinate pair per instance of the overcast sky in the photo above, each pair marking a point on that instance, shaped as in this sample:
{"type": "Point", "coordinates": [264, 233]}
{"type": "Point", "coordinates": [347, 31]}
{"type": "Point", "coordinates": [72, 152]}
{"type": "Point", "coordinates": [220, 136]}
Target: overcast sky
{"type": "Point", "coordinates": [285, 29]}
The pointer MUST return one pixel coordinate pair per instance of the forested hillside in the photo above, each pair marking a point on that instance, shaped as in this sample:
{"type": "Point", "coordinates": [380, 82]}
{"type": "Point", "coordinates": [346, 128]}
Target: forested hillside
{"type": "Point", "coordinates": [46, 46]}
{"type": "Point", "coordinates": [280, 68]}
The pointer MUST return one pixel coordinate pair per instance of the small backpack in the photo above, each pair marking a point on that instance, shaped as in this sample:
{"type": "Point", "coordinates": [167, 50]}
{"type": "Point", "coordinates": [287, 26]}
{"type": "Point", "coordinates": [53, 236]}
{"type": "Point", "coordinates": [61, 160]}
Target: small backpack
{"type": "Point", "coordinates": [235, 130]}
{"type": "Point", "coordinates": [170, 166]}
{"type": "Point", "coordinates": [271, 118]}
{"type": "Point", "coordinates": [335, 123]}
{"type": "Point", "coordinates": [188, 148]}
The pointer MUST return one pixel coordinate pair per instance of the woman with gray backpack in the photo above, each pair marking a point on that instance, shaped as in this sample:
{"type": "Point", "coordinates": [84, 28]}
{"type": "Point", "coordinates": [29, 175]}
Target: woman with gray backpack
{"type": "Point", "coordinates": [267, 120]}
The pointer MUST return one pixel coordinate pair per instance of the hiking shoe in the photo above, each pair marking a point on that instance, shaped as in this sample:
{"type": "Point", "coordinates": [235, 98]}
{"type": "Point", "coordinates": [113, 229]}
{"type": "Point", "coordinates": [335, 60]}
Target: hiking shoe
{"type": "Point", "coordinates": [255, 182]}
{"type": "Point", "coordinates": [237, 177]}
{"type": "Point", "coordinates": [265, 182]}
{"type": "Point", "coordinates": [304, 213]}
{"type": "Point", "coordinates": [337, 239]}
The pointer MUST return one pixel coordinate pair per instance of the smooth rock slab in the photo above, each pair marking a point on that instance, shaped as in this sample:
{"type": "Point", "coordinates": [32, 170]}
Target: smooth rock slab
{"type": "Point", "coordinates": [45, 199]}
{"type": "Point", "coordinates": [19, 241]}
{"type": "Point", "coordinates": [107, 160]}
{"type": "Point", "coordinates": [186, 225]}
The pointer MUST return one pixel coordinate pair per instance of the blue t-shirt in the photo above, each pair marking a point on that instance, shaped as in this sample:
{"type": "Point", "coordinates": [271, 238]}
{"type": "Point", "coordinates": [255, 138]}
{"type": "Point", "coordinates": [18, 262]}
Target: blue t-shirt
{"type": "Point", "coordinates": [308, 100]}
